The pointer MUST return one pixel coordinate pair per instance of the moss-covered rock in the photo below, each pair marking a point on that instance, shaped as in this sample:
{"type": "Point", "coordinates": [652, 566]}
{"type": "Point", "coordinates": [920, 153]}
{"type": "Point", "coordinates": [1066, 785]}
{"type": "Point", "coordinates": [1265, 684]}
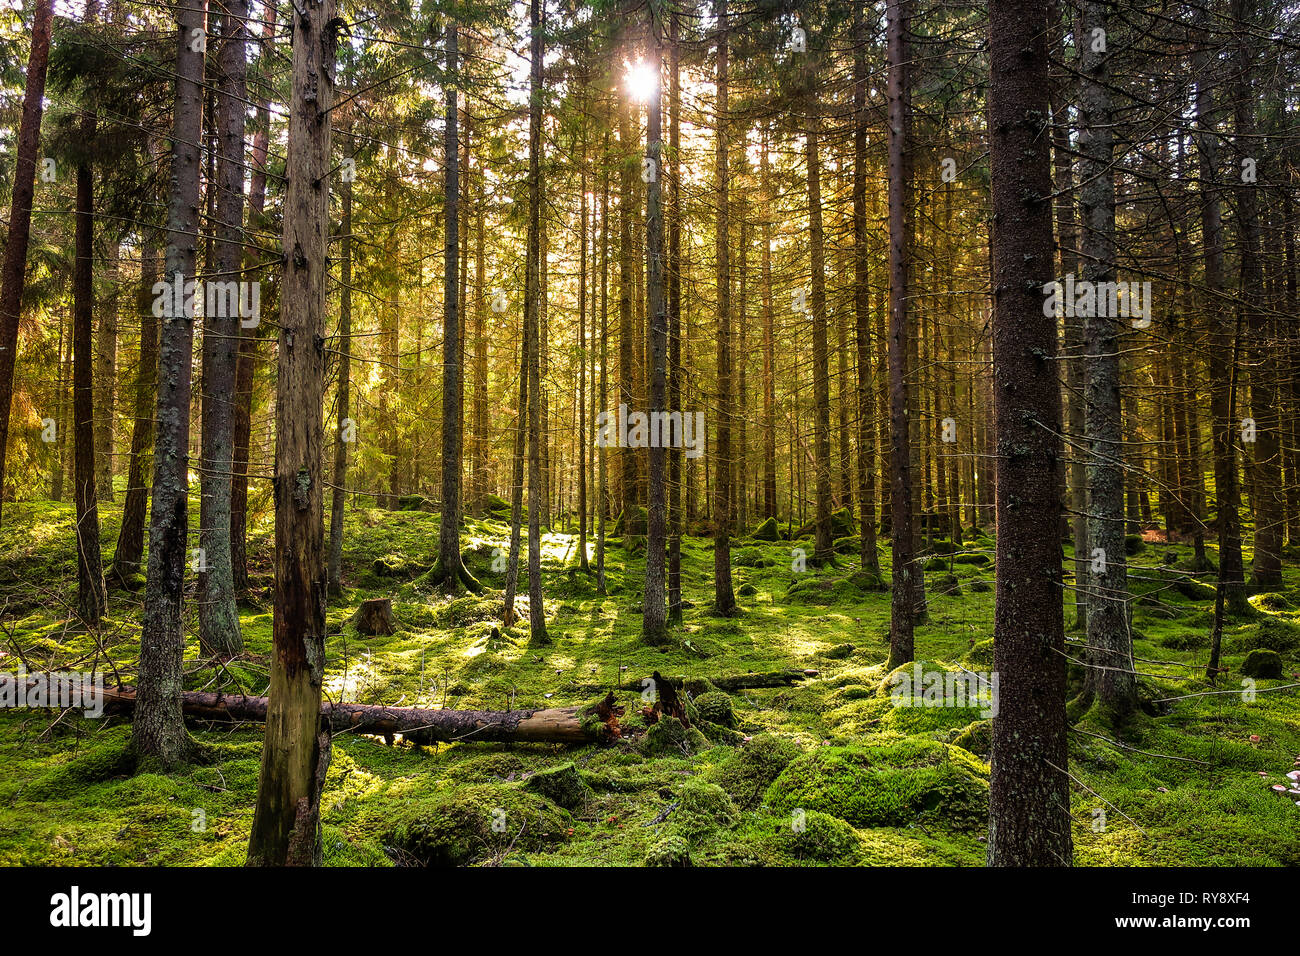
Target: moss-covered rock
{"type": "Point", "coordinates": [667, 737]}
{"type": "Point", "coordinates": [1262, 663]}
{"type": "Point", "coordinates": [746, 590]}
{"type": "Point", "coordinates": [811, 834]}
{"type": "Point", "coordinates": [981, 654]}
{"type": "Point", "coordinates": [977, 737]}
{"type": "Point", "coordinates": [1134, 545]}
{"type": "Point", "coordinates": [1272, 602]}
{"type": "Point", "coordinates": [1270, 634]}
{"type": "Point", "coordinates": [980, 586]}
{"type": "Point", "coordinates": [747, 772]}
{"type": "Point", "coordinates": [888, 786]}
{"type": "Point", "coordinates": [476, 823]}
{"type": "Point", "coordinates": [716, 709]}
{"type": "Point", "coordinates": [669, 850]}
{"type": "Point", "coordinates": [702, 809]}
{"type": "Point", "coordinates": [562, 785]}
{"type": "Point", "coordinates": [946, 584]}
{"type": "Point", "coordinates": [767, 530]}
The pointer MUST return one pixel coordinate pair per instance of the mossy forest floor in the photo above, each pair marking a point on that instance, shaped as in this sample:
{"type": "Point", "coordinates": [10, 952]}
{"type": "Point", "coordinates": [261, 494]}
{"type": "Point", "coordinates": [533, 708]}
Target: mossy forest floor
{"type": "Point", "coordinates": [825, 772]}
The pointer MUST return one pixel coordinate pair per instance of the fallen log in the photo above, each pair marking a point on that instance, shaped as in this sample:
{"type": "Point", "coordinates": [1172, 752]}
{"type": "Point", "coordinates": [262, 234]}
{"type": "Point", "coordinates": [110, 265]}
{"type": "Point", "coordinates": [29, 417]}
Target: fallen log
{"type": "Point", "coordinates": [564, 725]}
{"type": "Point", "coordinates": [785, 678]}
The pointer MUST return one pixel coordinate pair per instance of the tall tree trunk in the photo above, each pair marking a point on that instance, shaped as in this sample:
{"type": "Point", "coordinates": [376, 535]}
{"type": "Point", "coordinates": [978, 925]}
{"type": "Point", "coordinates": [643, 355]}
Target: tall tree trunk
{"type": "Point", "coordinates": [92, 600]}
{"type": "Point", "coordinates": [338, 494]}
{"type": "Point", "coordinates": [866, 410]}
{"type": "Point", "coordinates": [536, 489]}
{"type": "Point", "coordinates": [130, 539]}
{"type": "Point", "coordinates": [823, 548]}
{"type": "Point", "coordinates": [13, 271]}
{"type": "Point", "coordinates": [295, 754]}
{"type": "Point", "coordinates": [105, 376]}
{"type": "Point", "coordinates": [626, 320]}
{"type": "Point", "coordinates": [449, 571]}
{"type": "Point", "coordinates": [654, 628]}
{"type": "Point", "coordinates": [769, 342]}
{"type": "Point", "coordinates": [158, 732]}
{"type": "Point", "coordinates": [1067, 237]}
{"type": "Point", "coordinates": [1223, 427]}
{"type": "Point", "coordinates": [1268, 500]}
{"type": "Point", "coordinates": [1029, 798]}
{"type": "Point", "coordinates": [724, 600]}
{"type": "Point", "coordinates": [675, 319]}
{"type": "Point", "coordinates": [1110, 642]}
{"type": "Point", "coordinates": [247, 355]}
{"type": "Point", "coordinates": [903, 601]}
{"type": "Point", "coordinates": [219, 632]}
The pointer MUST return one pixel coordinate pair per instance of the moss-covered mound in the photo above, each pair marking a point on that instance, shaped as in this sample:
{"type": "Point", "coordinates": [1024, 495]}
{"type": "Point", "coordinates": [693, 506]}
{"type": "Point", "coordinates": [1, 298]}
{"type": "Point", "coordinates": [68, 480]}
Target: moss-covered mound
{"type": "Point", "coordinates": [1262, 664]}
{"type": "Point", "coordinates": [889, 785]}
{"type": "Point", "coordinates": [767, 531]}
{"type": "Point", "coordinates": [562, 785]}
{"type": "Point", "coordinates": [477, 823]}
{"type": "Point", "coordinates": [747, 772]}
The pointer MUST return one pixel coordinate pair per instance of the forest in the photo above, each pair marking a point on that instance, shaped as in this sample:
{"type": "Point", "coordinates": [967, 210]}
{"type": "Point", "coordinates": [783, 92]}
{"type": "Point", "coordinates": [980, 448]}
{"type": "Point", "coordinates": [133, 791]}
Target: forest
{"type": "Point", "coordinates": [671, 433]}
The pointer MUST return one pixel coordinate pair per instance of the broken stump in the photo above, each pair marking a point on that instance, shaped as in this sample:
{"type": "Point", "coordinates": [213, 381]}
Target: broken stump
{"type": "Point", "coordinates": [375, 617]}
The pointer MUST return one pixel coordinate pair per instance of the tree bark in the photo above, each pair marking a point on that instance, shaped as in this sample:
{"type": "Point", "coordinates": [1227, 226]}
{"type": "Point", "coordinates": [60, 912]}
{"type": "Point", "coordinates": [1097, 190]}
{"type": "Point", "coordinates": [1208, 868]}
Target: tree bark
{"type": "Point", "coordinates": [130, 539]}
{"type": "Point", "coordinates": [654, 626]}
{"type": "Point", "coordinates": [293, 758]}
{"type": "Point", "coordinates": [159, 731]}
{"type": "Point", "coordinates": [219, 632]}
{"type": "Point", "coordinates": [338, 494]}
{"type": "Point", "coordinates": [903, 591]}
{"type": "Point", "coordinates": [1029, 799]}
{"type": "Point", "coordinates": [92, 600]}
{"type": "Point", "coordinates": [13, 272]}
{"type": "Point", "coordinates": [724, 599]}
{"type": "Point", "coordinates": [1110, 642]}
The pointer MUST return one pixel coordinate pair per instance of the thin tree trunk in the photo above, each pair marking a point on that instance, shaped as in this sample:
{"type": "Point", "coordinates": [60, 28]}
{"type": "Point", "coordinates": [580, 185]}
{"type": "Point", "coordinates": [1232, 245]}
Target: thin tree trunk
{"type": "Point", "coordinates": [130, 539]}
{"type": "Point", "coordinates": [338, 494]}
{"type": "Point", "coordinates": [13, 271]}
{"type": "Point", "coordinates": [159, 731]}
{"type": "Point", "coordinates": [219, 632]}
{"type": "Point", "coordinates": [724, 600]}
{"type": "Point", "coordinates": [92, 600]}
{"type": "Point", "coordinates": [247, 355]}
{"type": "Point", "coordinates": [1110, 643]}
{"type": "Point", "coordinates": [536, 489]}
{"type": "Point", "coordinates": [654, 627]}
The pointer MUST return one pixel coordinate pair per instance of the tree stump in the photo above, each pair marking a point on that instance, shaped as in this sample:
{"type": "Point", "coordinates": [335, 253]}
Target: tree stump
{"type": "Point", "coordinates": [375, 617]}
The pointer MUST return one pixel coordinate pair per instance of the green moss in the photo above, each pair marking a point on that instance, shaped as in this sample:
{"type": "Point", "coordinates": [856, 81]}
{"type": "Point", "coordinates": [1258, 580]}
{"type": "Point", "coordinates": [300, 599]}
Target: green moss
{"type": "Point", "coordinates": [716, 708]}
{"type": "Point", "coordinates": [667, 737]}
{"type": "Point", "coordinates": [671, 850]}
{"type": "Point", "coordinates": [702, 809]}
{"type": "Point", "coordinates": [562, 785]}
{"type": "Point", "coordinates": [767, 531]}
{"type": "Point", "coordinates": [1134, 545]}
{"type": "Point", "coordinates": [980, 654]}
{"type": "Point", "coordinates": [747, 772]}
{"type": "Point", "coordinates": [1270, 634]}
{"type": "Point", "coordinates": [1262, 664]}
{"type": "Point", "coordinates": [476, 823]}
{"type": "Point", "coordinates": [892, 785]}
